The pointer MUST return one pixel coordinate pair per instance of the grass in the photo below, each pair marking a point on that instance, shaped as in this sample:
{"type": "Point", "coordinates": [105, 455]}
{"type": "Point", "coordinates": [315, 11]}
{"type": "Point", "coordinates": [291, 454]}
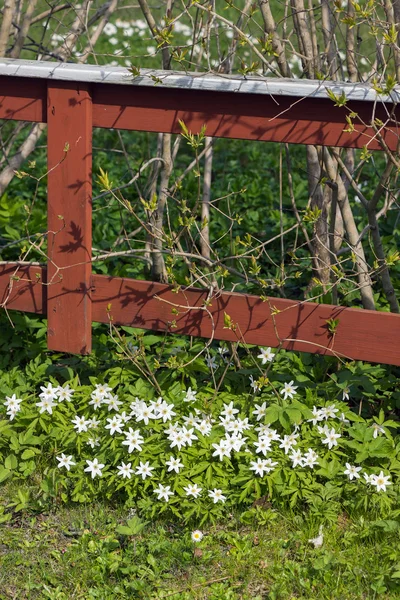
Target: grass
{"type": "Point", "coordinates": [76, 553]}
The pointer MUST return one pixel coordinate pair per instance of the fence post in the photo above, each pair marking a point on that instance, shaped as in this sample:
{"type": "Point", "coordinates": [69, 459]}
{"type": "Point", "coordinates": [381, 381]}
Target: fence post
{"type": "Point", "coordinates": [69, 214]}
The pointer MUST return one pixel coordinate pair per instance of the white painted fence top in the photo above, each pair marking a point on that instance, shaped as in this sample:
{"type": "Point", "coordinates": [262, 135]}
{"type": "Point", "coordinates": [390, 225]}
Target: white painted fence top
{"type": "Point", "coordinates": [193, 81]}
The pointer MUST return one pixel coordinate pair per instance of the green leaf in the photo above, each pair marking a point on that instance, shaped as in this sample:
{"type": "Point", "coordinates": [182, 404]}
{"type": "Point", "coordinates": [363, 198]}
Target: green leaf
{"type": "Point", "coordinates": [272, 413]}
{"type": "Point", "coordinates": [11, 462]}
{"type": "Point", "coordinates": [123, 530]}
{"type": "Point", "coordinates": [28, 453]}
{"type": "Point", "coordinates": [294, 414]}
{"type": "Point", "coordinates": [4, 473]}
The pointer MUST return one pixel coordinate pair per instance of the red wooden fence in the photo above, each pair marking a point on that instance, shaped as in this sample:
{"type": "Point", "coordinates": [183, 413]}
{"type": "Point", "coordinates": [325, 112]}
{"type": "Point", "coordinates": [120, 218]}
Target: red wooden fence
{"type": "Point", "coordinates": [72, 99]}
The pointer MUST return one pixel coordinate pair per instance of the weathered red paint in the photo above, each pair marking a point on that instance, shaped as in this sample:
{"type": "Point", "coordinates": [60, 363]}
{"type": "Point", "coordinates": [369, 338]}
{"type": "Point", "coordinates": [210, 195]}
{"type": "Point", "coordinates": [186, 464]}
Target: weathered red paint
{"type": "Point", "coordinates": [302, 326]}
{"type": "Point", "coordinates": [23, 288]}
{"type": "Point", "coordinates": [244, 116]}
{"type": "Point", "coordinates": [69, 307]}
{"type": "Point", "coordinates": [226, 114]}
{"type": "Point", "coordinates": [23, 99]}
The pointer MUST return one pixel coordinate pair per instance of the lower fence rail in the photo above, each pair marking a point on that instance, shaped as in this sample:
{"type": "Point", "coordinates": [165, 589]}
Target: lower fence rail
{"type": "Point", "coordinates": [276, 322]}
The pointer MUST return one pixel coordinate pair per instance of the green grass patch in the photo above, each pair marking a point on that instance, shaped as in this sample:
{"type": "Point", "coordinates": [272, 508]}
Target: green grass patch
{"type": "Point", "coordinates": [78, 553]}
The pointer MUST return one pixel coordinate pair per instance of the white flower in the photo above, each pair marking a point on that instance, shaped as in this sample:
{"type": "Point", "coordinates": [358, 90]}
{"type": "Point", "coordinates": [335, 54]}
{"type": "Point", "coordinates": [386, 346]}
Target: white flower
{"type": "Point", "coordinates": [46, 405]}
{"type": "Point", "coordinates": [225, 422]}
{"type": "Point", "coordinates": [346, 392]}
{"type": "Point", "coordinates": [216, 495]}
{"type": "Point", "coordinates": [190, 395]}
{"type": "Point", "coordinates": [239, 425]}
{"type": "Point", "coordinates": [268, 465]}
{"type": "Point", "coordinates": [122, 24]}
{"type": "Point", "coordinates": [172, 428]}
{"type": "Point", "coordinates": [141, 24]}
{"type": "Point", "coordinates": [124, 417]}
{"type": "Point", "coordinates": [368, 478]}
{"type": "Point", "coordinates": [329, 412]}
{"type": "Point", "coordinates": [114, 425]}
{"type": "Point", "coordinates": [65, 461]}
{"type": "Point", "coordinates": [377, 429]}
{"type": "Point", "coordinates": [288, 441]}
{"type": "Point", "coordinates": [193, 490]}
{"type": "Point", "coordinates": [163, 492]}
{"type": "Point", "coordinates": [133, 439]}
{"type": "Point", "coordinates": [229, 410]}
{"type": "Point", "coordinates": [262, 446]}
{"type": "Point", "coordinates": [94, 467]}
{"type": "Point", "coordinates": [262, 464]}
{"type": "Point", "coordinates": [144, 414]}
{"type": "Point", "coordinates": [125, 470]}
{"type": "Point", "coordinates": [136, 406]}
{"type": "Point", "coordinates": [80, 423]}
{"type": "Point", "coordinates": [343, 419]}
{"type": "Point", "coordinates": [211, 362]}
{"type": "Point", "coordinates": [289, 390]}
{"type": "Point", "coordinates": [222, 449]}
{"type": "Point", "coordinates": [64, 393]}
{"type": "Point", "coordinates": [97, 399]}
{"type": "Point", "coordinates": [12, 402]}
{"type": "Point", "coordinates": [380, 481]}
{"type": "Point", "coordinates": [165, 412]}
{"type": "Point", "coordinates": [99, 395]}
{"type": "Point", "coordinates": [317, 416]}
{"type": "Point", "coordinates": [177, 439]}
{"type": "Point", "coordinates": [204, 427]}
{"type": "Point", "coordinates": [112, 402]}
{"type": "Point", "coordinates": [102, 389]}
{"type": "Point", "coordinates": [331, 438]}
{"type": "Point", "coordinates": [92, 442]}
{"type": "Point", "coordinates": [257, 467]}
{"type": "Point", "coordinates": [310, 459]}
{"type": "Point", "coordinates": [266, 355]}
{"type": "Point", "coordinates": [174, 464]}
{"type": "Point", "coordinates": [144, 470]}
{"type": "Point", "coordinates": [110, 29]}
{"type": "Point", "coordinates": [13, 406]}
{"type": "Point", "coordinates": [191, 420]}
{"type": "Point", "coordinates": [266, 429]}
{"type": "Point", "coordinates": [297, 458]}
{"type": "Point", "coordinates": [48, 393]}
{"type": "Point", "coordinates": [92, 423]}
{"type": "Point", "coordinates": [235, 441]}
{"type": "Point", "coordinates": [188, 436]}
{"type": "Point", "coordinates": [293, 437]}
{"type": "Point", "coordinates": [12, 413]}
{"type": "Point", "coordinates": [271, 435]}
{"type": "Point", "coordinates": [255, 386]}
{"type": "Point", "coordinates": [197, 536]}
{"type": "Point", "coordinates": [323, 430]}
{"type": "Point", "coordinates": [352, 471]}
{"type": "Point", "coordinates": [260, 411]}
{"type": "Point", "coordinates": [156, 404]}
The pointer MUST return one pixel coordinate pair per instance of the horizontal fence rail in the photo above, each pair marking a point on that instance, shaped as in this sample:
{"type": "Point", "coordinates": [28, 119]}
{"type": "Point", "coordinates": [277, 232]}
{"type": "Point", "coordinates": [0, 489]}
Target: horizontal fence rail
{"type": "Point", "coordinates": [72, 99]}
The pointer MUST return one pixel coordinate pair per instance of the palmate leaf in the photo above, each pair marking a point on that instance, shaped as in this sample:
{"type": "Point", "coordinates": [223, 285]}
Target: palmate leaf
{"type": "Point", "coordinates": [134, 526]}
